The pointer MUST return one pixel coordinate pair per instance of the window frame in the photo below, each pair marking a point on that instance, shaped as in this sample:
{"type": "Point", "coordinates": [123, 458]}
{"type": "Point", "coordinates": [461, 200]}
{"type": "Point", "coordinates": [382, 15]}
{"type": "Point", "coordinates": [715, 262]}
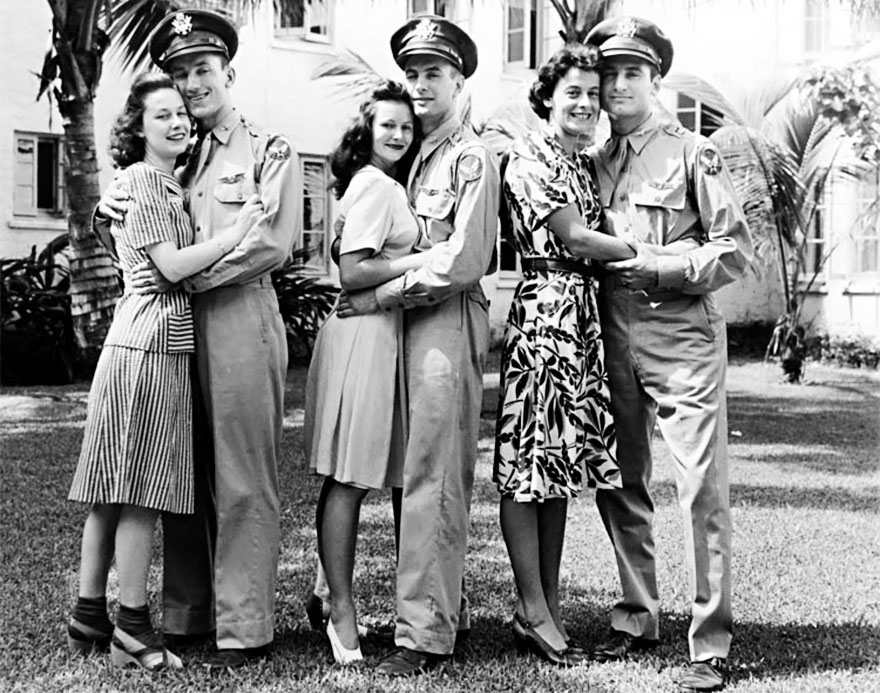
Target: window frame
{"type": "Point", "coordinates": [30, 209]}
{"type": "Point", "coordinates": [302, 33]}
{"type": "Point", "coordinates": [702, 125]}
{"type": "Point", "coordinates": [815, 26]}
{"type": "Point", "coordinates": [432, 9]}
{"type": "Point", "coordinates": [323, 268]}
{"type": "Point", "coordinates": [868, 193]}
{"type": "Point", "coordinates": [532, 31]}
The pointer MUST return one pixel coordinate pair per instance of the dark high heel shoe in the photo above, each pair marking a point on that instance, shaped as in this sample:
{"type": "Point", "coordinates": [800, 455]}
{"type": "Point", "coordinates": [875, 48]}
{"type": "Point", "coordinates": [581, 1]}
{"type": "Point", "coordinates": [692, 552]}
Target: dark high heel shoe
{"type": "Point", "coordinates": [530, 639]}
{"type": "Point", "coordinates": [315, 613]}
{"type": "Point", "coordinates": [83, 639]}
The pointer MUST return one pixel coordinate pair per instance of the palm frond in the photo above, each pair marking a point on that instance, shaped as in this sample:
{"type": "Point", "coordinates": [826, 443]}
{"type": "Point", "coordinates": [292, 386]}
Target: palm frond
{"type": "Point", "coordinates": [130, 24]}
{"type": "Point", "coordinates": [352, 76]}
{"type": "Point", "coordinates": [700, 90]}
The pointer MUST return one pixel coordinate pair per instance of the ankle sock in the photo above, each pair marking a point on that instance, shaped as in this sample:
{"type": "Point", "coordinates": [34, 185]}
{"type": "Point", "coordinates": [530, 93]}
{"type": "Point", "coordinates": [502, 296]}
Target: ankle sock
{"type": "Point", "coordinates": [92, 612]}
{"type": "Point", "coordinates": [134, 620]}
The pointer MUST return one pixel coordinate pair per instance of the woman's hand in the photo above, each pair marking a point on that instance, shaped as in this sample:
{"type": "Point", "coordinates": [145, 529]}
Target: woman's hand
{"type": "Point", "coordinates": [248, 216]}
{"type": "Point", "coordinates": [113, 204]}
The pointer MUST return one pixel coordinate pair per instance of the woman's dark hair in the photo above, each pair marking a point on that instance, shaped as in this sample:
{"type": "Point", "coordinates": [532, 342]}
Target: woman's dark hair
{"type": "Point", "coordinates": [356, 147]}
{"type": "Point", "coordinates": [126, 145]}
{"type": "Point", "coordinates": [581, 57]}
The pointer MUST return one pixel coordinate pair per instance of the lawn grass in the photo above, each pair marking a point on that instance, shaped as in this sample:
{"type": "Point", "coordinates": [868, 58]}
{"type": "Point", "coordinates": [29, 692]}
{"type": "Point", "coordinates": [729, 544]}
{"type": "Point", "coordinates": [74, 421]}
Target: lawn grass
{"type": "Point", "coordinates": [804, 487]}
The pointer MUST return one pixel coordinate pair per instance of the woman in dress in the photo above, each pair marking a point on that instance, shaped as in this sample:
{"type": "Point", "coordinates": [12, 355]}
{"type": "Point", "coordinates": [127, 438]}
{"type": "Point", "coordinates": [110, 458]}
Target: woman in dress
{"type": "Point", "coordinates": [554, 426]}
{"type": "Point", "coordinates": [136, 457]}
{"type": "Point", "coordinates": [354, 418]}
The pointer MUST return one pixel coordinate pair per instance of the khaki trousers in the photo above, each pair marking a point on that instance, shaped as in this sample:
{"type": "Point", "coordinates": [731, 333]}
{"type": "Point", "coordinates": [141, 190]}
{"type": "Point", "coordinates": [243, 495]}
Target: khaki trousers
{"type": "Point", "coordinates": [232, 541]}
{"type": "Point", "coordinates": [666, 356]}
{"type": "Point", "coordinates": [445, 348]}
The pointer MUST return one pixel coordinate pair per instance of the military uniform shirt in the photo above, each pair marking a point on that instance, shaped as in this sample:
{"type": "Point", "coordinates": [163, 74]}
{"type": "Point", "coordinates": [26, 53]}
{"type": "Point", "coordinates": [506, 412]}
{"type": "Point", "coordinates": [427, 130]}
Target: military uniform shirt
{"type": "Point", "coordinates": [225, 177]}
{"type": "Point", "coordinates": [671, 185]}
{"type": "Point", "coordinates": [454, 191]}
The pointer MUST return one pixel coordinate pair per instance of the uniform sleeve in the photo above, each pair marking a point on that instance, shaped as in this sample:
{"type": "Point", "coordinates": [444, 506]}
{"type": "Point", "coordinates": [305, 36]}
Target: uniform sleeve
{"type": "Point", "coordinates": [148, 220]}
{"type": "Point", "coordinates": [268, 243]}
{"type": "Point", "coordinates": [368, 213]}
{"type": "Point", "coordinates": [726, 249]}
{"type": "Point", "coordinates": [462, 259]}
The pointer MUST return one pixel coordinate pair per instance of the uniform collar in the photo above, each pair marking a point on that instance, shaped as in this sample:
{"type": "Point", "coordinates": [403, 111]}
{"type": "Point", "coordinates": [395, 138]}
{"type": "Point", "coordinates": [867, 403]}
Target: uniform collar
{"type": "Point", "coordinates": [639, 137]}
{"type": "Point", "coordinates": [446, 129]}
{"type": "Point", "coordinates": [224, 129]}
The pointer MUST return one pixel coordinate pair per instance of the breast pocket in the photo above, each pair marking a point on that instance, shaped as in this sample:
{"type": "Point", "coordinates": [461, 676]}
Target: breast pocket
{"type": "Point", "coordinates": [436, 208]}
{"type": "Point", "coordinates": [234, 188]}
{"type": "Point", "coordinates": [668, 198]}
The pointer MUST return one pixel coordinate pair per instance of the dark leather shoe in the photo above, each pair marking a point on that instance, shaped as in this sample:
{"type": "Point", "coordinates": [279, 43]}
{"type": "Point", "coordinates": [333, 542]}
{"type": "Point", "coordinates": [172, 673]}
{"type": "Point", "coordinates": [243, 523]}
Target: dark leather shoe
{"type": "Point", "coordinates": [406, 662]}
{"type": "Point", "coordinates": [180, 642]}
{"type": "Point", "coordinates": [233, 659]}
{"type": "Point", "coordinates": [620, 645]}
{"type": "Point", "coordinates": [315, 613]}
{"type": "Point", "coordinates": [708, 675]}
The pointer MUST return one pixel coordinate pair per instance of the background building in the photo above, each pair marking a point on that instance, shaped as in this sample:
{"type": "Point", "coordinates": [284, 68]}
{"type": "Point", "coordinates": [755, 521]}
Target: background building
{"type": "Point", "coordinates": [734, 45]}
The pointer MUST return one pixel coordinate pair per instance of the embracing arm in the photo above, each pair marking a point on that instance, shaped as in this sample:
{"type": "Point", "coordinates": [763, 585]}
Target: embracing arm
{"type": "Point", "coordinates": [583, 242]}
{"type": "Point", "coordinates": [359, 270]}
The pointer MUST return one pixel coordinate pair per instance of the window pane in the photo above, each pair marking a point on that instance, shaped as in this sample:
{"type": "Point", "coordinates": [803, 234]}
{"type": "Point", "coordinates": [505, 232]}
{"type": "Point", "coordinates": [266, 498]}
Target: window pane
{"type": "Point", "coordinates": [688, 119]}
{"type": "Point", "coordinates": [419, 6]}
{"type": "Point", "coordinates": [515, 47]}
{"type": "Point", "coordinates": [445, 8]}
{"type": "Point", "coordinates": [46, 168]}
{"type": "Point", "coordinates": [319, 15]}
{"type": "Point", "coordinates": [516, 16]}
{"type": "Point", "coordinates": [289, 14]}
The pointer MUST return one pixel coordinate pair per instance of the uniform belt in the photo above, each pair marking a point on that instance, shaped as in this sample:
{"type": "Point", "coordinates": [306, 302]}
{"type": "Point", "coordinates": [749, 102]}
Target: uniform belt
{"type": "Point", "coordinates": [538, 264]}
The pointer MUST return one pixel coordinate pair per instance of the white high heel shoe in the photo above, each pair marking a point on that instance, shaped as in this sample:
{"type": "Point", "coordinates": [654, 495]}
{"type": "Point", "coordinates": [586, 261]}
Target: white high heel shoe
{"type": "Point", "coordinates": [341, 654]}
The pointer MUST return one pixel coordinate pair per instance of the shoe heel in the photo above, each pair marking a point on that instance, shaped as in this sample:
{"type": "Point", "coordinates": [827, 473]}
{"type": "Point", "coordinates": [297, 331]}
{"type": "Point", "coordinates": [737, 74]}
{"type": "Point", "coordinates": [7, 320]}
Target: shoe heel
{"type": "Point", "coordinates": [122, 659]}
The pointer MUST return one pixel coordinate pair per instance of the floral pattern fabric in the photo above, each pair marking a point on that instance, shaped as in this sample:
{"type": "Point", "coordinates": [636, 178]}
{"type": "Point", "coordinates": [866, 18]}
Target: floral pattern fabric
{"type": "Point", "coordinates": [554, 422]}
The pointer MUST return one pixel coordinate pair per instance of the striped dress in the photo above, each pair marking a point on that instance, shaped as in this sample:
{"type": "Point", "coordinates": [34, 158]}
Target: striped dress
{"type": "Point", "coordinates": [137, 446]}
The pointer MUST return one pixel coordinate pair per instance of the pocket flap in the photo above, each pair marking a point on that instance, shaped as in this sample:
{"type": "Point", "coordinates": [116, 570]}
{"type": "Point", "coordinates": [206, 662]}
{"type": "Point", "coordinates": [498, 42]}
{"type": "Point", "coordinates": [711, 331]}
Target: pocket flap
{"type": "Point", "coordinates": [657, 196]}
{"type": "Point", "coordinates": [436, 204]}
{"type": "Point", "coordinates": [234, 189]}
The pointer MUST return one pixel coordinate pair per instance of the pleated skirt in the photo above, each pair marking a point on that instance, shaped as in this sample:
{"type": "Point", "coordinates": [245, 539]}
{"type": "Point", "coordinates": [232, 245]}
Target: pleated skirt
{"type": "Point", "coordinates": [137, 445]}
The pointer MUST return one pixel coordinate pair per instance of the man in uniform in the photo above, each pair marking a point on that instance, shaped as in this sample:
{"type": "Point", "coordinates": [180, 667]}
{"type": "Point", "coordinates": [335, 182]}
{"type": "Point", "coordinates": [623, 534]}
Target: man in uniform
{"type": "Point", "coordinates": [665, 345]}
{"type": "Point", "coordinates": [221, 562]}
{"type": "Point", "coordinates": [454, 190]}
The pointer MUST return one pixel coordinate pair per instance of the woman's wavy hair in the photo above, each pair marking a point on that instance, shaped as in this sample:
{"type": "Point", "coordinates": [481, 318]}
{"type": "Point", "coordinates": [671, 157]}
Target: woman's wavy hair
{"type": "Point", "coordinates": [356, 147]}
{"type": "Point", "coordinates": [127, 146]}
{"type": "Point", "coordinates": [581, 57]}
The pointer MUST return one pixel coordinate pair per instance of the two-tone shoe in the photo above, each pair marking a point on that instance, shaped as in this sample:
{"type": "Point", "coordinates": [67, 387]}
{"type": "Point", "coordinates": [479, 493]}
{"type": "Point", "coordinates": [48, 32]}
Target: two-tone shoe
{"type": "Point", "coordinates": [341, 654]}
{"type": "Point", "coordinates": [145, 651]}
{"type": "Point", "coordinates": [531, 640]}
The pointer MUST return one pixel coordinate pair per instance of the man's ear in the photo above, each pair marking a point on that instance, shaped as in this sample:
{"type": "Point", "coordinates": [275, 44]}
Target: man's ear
{"type": "Point", "coordinates": [655, 85]}
{"type": "Point", "coordinates": [230, 76]}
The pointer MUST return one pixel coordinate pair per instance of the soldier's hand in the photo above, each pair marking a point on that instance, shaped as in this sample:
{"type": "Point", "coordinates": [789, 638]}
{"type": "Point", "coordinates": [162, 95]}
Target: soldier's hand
{"type": "Point", "coordinates": [146, 279]}
{"type": "Point", "coordinates": [113, 204]}
{"type": "Point", "coordinates": [639, 272]}
{"type": "Point", "coordinates": [357, 303]}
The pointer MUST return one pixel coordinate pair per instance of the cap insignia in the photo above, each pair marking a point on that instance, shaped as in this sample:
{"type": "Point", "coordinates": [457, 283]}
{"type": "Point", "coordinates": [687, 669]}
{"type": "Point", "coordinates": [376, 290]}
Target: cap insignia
{"type": "Point", "coordinates": [627, 28]}
{"type": "Point", "coordinates": [426, 29]}
{"type": "Point", "coordinates": [182, 24]}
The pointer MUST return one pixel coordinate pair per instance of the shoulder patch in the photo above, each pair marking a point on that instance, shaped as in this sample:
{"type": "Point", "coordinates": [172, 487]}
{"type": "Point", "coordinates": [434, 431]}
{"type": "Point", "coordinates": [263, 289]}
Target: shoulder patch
{"type": "Point", "coordinates": [710, 161]}
{"type": "Point", "coordinates": [278, 149]}
{"type": "Point", "coordinates": [470, 167]}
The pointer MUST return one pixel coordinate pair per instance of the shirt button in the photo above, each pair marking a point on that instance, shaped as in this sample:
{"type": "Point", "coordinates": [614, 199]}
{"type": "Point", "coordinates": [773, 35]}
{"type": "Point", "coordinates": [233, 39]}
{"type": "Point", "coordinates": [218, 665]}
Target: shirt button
{"type": "Point", "coordinates": [657, 198]}
{"type": "Point", "coordinates": [241, 197]}
{"type": "Point", "coordinates": [622, 197]}
{"type": "Point", "coordinates": [200, 193]}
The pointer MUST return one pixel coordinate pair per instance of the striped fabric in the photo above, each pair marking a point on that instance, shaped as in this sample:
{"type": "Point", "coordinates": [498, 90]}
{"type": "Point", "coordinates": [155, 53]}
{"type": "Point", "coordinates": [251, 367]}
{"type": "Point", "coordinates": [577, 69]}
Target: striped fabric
{"type": "Point", "coordinates": [156, 213]}
{"type": "Point", "coordinates": [137, 447]}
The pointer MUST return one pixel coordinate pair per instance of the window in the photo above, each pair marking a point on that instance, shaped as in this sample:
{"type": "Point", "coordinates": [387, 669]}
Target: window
{"type": "Point", "coordinates": [306, 19]}
{"type": "Point", "coordinates": [697, 116]}
{"type": "Point", "coordinates": [814, 244]}
{"type": "Point", "coordinates": [815, 25]}
{"type": "Point", "coordinates": [443, 8]}
{"type": "Point", "coordinates": [866, 234]}
{"type": "Point", "coordinates": [39, 175]}
{"type": "Point", "coordinates": [316, 208]}
{"type": "Point", "coordinates": [521, 33]}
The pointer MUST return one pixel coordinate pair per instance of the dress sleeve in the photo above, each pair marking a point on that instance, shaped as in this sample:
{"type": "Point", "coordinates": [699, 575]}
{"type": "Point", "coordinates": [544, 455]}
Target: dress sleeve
{"type": "Point", "coordinates": [148, 219]}
{"type": "Point", "coordinates": [368, 213]}
{"type": "Point", "coordinates": [536, 182]}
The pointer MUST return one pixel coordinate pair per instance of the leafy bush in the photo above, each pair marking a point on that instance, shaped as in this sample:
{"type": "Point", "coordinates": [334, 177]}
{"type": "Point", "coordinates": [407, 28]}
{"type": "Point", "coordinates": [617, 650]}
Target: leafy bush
{"type": "Point", "coordinates": [304, 301]}
{"type": "Point", "coordinates": [37, 332]}
{"type": "Point", "coordinates": [851, 351]}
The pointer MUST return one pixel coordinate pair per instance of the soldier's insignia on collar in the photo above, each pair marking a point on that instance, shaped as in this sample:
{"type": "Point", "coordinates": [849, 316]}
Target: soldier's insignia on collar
{"type": "Point", "coordinates": [278, 149]}
{"type": "Point", "coordinates": [710, 161]}
{"type": "Point", "coordinates": [182, 24]}
{"type": "Point", "coordinates": [426, 29]}
{"type": "Point", "coordinates": [470, 167]}
{"type": "Point", "coordinates": [627, 28]}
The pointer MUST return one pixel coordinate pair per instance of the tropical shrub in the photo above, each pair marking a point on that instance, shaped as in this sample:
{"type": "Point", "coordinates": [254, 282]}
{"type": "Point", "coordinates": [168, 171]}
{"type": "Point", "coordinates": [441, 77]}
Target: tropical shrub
{"type": "Point", "coordinates": [37, 344]}
{"type": "Point", "coordinates": [856, 351]}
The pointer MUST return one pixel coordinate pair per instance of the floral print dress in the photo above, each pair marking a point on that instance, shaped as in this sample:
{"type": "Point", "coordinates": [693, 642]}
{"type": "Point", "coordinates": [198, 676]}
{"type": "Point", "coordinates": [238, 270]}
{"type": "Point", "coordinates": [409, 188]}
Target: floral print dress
{"type": "Point", "coordinates": [554, 423]}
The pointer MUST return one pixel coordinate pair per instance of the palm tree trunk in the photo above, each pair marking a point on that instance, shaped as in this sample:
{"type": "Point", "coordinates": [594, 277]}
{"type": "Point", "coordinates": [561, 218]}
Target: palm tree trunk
{"type": "Point", "coordinates": [94, 284]}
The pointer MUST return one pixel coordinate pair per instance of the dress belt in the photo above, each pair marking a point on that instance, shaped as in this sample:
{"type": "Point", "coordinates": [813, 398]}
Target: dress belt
{"type": "Point", "coordinates": [537, 264]}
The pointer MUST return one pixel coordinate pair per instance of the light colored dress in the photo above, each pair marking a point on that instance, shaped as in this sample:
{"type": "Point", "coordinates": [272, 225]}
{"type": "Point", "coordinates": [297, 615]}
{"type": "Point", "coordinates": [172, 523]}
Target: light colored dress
{"type": "Point", "coordinates": [554, 424]}
{"type": "Point", "coordinates": [137, 445]}
{"type": "Point", "coordinates": [355, 394]}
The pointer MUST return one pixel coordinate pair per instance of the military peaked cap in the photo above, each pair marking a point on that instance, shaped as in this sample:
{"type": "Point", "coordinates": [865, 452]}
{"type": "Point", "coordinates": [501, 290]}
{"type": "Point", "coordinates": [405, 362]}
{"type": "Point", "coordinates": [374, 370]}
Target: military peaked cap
{"type": "Point", "coordinates": [433, 35]}
{"type": "Point", "coordinates": [192, 31]}
{"type": "Point", "coordinates": [634, 37]}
